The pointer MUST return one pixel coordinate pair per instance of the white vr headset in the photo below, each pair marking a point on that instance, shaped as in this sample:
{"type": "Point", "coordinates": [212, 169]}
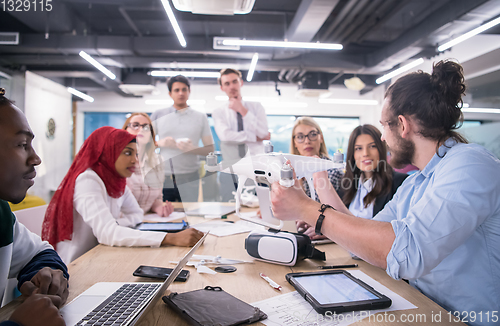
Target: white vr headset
{"type": "Point", "coordinates": [281, 247]}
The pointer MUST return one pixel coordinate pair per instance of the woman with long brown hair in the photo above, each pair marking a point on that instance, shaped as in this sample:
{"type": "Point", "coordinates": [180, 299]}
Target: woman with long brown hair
{"type": "Point", "coordinates": [369, 181]}
{"type": "Point", "coordinates": [146, 183]}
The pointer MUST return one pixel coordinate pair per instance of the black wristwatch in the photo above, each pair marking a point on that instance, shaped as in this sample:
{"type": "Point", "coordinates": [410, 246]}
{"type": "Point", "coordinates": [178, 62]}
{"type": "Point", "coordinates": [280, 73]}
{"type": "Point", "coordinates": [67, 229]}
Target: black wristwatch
{"type": "Point", "coordinates": [321, 217]}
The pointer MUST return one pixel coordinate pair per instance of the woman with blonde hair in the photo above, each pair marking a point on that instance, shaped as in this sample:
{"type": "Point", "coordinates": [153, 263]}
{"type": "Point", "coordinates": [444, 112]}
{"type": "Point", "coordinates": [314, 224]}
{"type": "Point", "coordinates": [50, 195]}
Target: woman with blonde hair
{"type": "Point", "coordinates": [146, 183]}
{"type": "Point", "coordinates": [308, 140]}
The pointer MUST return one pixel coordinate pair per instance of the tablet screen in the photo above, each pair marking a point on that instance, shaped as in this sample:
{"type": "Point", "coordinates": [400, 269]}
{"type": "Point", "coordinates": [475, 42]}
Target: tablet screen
{"type": "Point", "coordinates": [161, 226]}
{"type": "Point", "coordinates": [334, 288]}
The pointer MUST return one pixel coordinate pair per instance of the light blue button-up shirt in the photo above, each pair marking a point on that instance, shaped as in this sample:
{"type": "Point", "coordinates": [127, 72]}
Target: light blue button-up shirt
{"type": "Point", "coordinates": [447, 224]}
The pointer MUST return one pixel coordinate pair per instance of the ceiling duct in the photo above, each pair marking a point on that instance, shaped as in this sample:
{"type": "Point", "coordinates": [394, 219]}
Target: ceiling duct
{"type": "Point", "coordinates": [138, 83]}
{"type": "Point", "coordinates": [313, 84]}
{"type": "Point", "coordinates": [215, 7]}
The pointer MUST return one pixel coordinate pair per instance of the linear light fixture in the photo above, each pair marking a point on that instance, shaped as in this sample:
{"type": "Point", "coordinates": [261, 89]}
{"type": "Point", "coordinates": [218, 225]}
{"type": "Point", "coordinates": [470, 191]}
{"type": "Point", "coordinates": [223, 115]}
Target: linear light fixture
{"type": "Point", "coordinates": [171, 73]}
{"type": "Point", "coordinates": [468, 35]}
{"type": "Point", "coordinates": [481, 110]}
{"type": "Point", "coordinates": [81, 95]}
{"type": "Point", "coordinates": [4, 75]}
{"type": "Point", "coordinates": [253, 64]}
{"type": "Point", "coordinates": [96, 64]}
{"type": "Point", "coordinates": [171, 102]}
{"type": "Point", "coordinates": [399, 71]}
{"type": "Point", "coordinates": [197, 65]}
{"type": "Point", "coordinates": [174, 23]}
{"type": "Point", "coordinates": [347, 101]}
{"type": "Point", "coordinates": [284, 44]}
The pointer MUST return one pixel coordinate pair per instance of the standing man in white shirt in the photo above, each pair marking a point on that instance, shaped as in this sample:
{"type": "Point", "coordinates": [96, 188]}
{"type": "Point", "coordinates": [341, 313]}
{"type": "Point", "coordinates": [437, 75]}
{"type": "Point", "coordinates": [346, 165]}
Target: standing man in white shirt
{"type": "Point", "coordinates": [180, 129]}
{"type": "Point", "coordinates": [239, 122]}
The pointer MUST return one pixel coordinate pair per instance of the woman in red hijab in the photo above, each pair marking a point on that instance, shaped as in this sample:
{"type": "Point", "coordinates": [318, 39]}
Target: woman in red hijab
{"type": "Point", "coordinates": [93, 205]}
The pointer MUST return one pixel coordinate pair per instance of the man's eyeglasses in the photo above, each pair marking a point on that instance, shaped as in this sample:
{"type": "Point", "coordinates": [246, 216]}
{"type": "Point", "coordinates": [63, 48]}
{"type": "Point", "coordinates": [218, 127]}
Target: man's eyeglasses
{"type": "Point", "coordinates": [145, 127]}
{"type": "Point", "coordinates": [312, 135]}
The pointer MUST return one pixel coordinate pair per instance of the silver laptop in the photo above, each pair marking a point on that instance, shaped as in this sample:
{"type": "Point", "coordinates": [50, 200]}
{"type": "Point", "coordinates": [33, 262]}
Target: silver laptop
{"type": "Point", "coordinates": [117, 303]}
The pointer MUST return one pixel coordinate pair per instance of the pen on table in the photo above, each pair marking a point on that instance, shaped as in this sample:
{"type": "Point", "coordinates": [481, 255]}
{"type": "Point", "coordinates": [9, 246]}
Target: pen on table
{"type": "Point", "coordinates": [272, 283]}
{"type": "Point", "coordinates": [338, 266]}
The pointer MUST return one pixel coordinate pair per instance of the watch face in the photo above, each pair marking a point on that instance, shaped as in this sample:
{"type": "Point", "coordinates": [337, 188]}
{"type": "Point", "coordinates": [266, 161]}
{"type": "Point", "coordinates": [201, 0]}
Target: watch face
{"type": "Point", "coordinates": [51, 129]}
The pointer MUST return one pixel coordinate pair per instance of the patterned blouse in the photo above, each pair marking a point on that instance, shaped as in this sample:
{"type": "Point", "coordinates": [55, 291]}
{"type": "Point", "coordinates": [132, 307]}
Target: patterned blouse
{"type": "Point", "coordinates": [335, 176]}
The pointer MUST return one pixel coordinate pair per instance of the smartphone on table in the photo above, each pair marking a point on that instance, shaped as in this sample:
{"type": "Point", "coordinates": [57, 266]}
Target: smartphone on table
{"type": "Point", "coordinates": [160, 273]}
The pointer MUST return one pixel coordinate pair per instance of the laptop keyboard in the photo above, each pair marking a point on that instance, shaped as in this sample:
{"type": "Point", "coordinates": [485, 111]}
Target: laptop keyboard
{"type": "Point", "coordinates": [121, 307]}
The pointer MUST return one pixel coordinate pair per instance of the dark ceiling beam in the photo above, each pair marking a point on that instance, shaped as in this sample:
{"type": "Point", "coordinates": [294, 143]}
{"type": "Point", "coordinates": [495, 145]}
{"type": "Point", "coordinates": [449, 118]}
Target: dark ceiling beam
{"type": "Point", "coordinates": [447, 13]}
{"type": "Point", "coordinates": [119, 45]}
{"type": "Point", "coordinates": [130, 22]}
{"type": "Point", "coordinates": [384, 12]}
{"type": "Point", "coordinates": [360, 19]}
{"type": "Point", "coordinates": [337, 20]}
{"type": "Point", "coordinates": [309, 18]}
{"type": "Point", "coordinates": [61, 19]}
{"type": "Point", "coordinates": [347, 21]}
{"type": "Point", "coordinates": [35, 47]}
{"type": "Point", "coordinates": [312, 62]}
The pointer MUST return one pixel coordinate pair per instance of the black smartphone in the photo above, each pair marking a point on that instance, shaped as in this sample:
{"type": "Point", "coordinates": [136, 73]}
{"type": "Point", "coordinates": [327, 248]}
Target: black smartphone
{"type": "Point", "coordinates": [160, 272]}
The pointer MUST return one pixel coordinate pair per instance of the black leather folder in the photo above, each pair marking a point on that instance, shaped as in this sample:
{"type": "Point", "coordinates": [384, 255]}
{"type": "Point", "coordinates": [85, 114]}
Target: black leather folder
{"type": "Point", "coordinates": [213, 306]}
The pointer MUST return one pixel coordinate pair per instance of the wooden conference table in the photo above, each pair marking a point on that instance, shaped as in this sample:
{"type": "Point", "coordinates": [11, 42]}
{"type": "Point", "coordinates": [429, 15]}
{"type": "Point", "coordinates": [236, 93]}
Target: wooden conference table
{"type": "Point", "coordinates": [115, 264]}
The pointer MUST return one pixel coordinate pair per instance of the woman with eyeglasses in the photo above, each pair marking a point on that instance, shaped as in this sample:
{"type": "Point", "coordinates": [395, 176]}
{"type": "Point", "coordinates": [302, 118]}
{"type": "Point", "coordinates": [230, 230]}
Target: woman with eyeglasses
{"type": "Point", "coordinates": [146, 183]}
{"type": "Point", "coordinates": [307, 140]}
{"type": "Point", "coordinates": [369, 182]}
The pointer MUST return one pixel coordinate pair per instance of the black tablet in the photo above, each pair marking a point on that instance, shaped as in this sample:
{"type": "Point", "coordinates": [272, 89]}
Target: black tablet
{"type": "Point", "coordinates": [163, 226]}
{"type": "Point", "coordinates": [337, 291]}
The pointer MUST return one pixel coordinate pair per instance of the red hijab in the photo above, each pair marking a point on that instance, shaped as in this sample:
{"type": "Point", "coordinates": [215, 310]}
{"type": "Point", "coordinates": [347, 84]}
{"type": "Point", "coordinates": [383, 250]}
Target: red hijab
{"type": "Point", "coordinates": [99, 153]}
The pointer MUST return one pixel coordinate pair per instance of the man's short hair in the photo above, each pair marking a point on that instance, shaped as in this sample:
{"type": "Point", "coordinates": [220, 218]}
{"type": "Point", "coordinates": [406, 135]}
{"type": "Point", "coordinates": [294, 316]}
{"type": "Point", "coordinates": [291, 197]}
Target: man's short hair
{"type": "Point", "coordinates": [228, 71]}
{"type": "Point", "coordinates": [180, 79]}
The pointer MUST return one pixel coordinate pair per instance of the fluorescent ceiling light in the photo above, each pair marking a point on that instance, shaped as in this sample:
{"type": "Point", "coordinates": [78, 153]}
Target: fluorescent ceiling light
{"type": "Point", "coordinates": [80, 95]}
{"type": "Point", "coordinates": [4, 75]}
{"type": "Point", "coordinates": [468, 35]}
{"type": "Point", "coordinates": [283, 44]}
{"type": "Point", "coordinates": [465, 105]}
{"type": "Point", "coordinates": [197, 65]}
{"type": "Point", "coordinates": [347, 101]}
{"type": "Point", "coordinates": [399, 71]}
{"type": "Point", "coordinates": [255, 58]}
{"type": "Point", "coordinates": [250, 98]}
{"type": "Point", "coordinates": [174, 23]}
{"type": "Point", "coordinates": [171, 73]}
{"type": "Point", "coordinates": [481, 110]}
{"type": "Point", "coordinates": [96, 64]}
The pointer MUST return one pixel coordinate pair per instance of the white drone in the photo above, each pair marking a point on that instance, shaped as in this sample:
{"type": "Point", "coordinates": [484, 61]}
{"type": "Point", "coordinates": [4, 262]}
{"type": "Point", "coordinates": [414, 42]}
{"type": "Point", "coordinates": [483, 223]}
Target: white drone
{"type": "Point", "coordinates": [202, 263]}
{"type": "Point", "coordinates": [265, 169]}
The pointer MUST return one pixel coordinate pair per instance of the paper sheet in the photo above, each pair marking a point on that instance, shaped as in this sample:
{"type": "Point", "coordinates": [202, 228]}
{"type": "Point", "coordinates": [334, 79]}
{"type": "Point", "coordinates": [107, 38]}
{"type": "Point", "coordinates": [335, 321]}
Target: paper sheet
{"type": "Point", "coordinates": [222, 229]}
{"type": "Point", "coordinates": [292, 310]}
{"type": "Point", "coordinates": [157, 218]}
